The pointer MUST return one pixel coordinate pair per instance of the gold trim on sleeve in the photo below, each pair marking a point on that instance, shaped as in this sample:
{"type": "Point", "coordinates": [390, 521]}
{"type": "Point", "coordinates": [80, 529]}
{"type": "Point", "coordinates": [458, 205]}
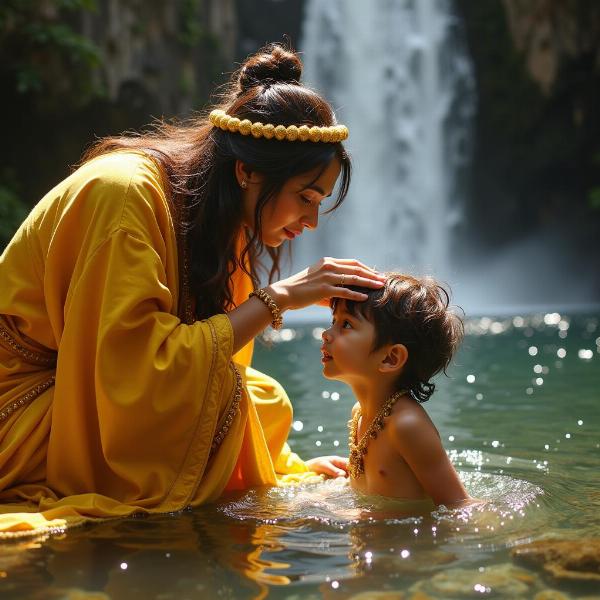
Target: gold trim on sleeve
{"type": "Point", "coordinates": [36, 358]}
{"type": "Point", "coordinates": [7, 410]}
{"type": "Point", "coordinates": [231, 413]}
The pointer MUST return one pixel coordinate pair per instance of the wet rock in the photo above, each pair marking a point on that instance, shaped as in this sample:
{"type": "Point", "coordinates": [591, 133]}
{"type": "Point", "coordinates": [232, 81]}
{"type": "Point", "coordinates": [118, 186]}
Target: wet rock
{"type": "Point", "coordinates": [70, 594]}
{"type": "Point", "coordinates": [373, 595]}
{"type": "Point", "coordinates": [417, 563]}
{"type": "Point", "coordinates": [504, 581]}
{"type": "Point", "coordinates": [550, 595]}
{"type": "Point", "coordinates": [563, 560]}
{"type": "Point", "coordinates": [421, 596]}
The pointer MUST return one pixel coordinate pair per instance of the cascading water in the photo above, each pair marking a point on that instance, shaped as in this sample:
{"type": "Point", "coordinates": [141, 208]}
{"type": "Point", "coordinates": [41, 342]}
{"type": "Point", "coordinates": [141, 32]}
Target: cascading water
{"type": "Point", "coordinates": [397, 73]}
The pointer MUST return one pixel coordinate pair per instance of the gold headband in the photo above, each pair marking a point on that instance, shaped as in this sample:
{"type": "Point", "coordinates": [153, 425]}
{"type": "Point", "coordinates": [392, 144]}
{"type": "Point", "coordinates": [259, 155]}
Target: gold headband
{"type": "Point", "coordinates": [303, 133]}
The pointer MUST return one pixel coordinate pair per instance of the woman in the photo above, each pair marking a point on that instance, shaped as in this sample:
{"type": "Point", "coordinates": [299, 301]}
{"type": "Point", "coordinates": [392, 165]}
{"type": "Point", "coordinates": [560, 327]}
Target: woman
{"type": "Point", "coordinates": [128, 309]}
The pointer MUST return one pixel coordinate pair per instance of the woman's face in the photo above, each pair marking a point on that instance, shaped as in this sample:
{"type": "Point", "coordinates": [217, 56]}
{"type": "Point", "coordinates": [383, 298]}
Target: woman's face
{"type": "Point", "coordinates": [295, 208]}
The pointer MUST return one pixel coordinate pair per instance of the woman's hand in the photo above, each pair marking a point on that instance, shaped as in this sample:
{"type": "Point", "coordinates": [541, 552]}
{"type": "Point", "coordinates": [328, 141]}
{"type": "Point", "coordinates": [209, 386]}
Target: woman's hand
{"type": "Point", "coordinates": [322, 281]}
{"type": "Point", "coordinates": [334, 466]}
{"type": "Point", "coordinates": [315, 285]}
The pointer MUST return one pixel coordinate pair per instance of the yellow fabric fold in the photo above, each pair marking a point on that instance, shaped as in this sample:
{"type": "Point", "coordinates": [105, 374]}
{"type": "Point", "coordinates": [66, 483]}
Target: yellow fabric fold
{"type": "Point", "coordinates": [91, 279]}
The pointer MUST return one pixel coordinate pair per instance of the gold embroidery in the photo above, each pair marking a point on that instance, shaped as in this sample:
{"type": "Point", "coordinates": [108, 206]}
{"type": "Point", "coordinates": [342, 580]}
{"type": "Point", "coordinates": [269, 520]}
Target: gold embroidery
{"type": "Point", "coordinates": [188, 309]}
{"type": "Point", "coordinates": [233, 409]}
{"type": "Point", "coordinates": [6, 411]}
{"type": "Point", "coordinates": [36, 358]}
{"type": "Point", "coordinates": [186, 313]}
{"type": "Point", "coordinates": [213, 357]}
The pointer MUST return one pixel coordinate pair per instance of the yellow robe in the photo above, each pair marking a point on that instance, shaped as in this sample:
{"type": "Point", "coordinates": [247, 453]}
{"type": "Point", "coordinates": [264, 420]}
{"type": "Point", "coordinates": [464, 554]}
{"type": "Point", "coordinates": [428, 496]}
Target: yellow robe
{"type": "Point", "coordinates": [108, 402]}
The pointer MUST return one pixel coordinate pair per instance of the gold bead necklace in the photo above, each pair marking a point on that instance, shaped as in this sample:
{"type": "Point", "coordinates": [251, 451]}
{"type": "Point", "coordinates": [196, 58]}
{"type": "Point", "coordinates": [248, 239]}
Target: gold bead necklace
{"type": "Point", "coordinates": [358, 448]}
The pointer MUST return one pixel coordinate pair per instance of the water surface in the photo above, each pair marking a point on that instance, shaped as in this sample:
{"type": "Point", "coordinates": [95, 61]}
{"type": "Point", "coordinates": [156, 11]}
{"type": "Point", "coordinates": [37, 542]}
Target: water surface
{"type": "Point", "coordinates": [519, 417]}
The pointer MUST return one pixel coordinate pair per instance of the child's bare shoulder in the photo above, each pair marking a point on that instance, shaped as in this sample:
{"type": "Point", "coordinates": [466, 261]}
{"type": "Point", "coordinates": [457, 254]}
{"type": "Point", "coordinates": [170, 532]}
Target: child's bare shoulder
{"type": "Point", "coordinates": [409, 421]}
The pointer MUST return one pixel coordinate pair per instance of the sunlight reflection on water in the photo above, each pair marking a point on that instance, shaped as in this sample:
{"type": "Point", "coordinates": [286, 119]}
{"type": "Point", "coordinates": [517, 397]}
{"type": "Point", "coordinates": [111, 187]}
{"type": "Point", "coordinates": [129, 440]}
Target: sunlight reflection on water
{"type": "Point", "coordinates": [530, 451]}
{"type": "Point", "coordinates": [334, 503]}
{"type": "Point", "coordinates": [360, 535]}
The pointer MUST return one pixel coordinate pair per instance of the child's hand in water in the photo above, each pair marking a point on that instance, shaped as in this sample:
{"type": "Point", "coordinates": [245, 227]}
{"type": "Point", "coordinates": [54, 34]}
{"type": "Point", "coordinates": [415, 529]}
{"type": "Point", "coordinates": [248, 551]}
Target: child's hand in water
{"type": "Point", "coordinates": [333, 466]}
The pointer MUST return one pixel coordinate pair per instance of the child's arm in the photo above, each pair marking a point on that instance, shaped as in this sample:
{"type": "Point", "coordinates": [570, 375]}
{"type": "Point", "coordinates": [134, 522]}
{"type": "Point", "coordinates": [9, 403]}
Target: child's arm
{"type": "Point", "coordinates": [418, 441]}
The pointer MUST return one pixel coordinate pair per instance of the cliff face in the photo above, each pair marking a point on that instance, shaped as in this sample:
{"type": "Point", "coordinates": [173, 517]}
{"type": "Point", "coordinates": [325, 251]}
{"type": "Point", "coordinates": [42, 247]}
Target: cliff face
{"type": "Point", "coordinates": [73, 71]}
{"type": "Point", "coordinates": [170, 55]}
{"type": "Point", "coordinates": [537, 160]}
{"type": "Point", "coordinates": [550, 34]}
{"type": "Point", "coordinates": [162, 54]}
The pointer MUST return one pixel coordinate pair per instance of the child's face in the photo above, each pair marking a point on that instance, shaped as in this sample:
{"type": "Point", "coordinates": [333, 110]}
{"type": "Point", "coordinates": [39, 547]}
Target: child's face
{"type": "Point", "coordinates": [347, 344]}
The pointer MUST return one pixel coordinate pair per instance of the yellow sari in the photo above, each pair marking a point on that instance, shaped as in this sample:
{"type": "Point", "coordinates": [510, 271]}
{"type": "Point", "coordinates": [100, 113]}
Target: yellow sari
{"type": "Point", "coordinates": [109, 404]}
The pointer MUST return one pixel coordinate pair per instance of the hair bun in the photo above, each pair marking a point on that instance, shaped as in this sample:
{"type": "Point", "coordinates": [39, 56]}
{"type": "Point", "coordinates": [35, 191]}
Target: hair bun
{"type": "Point", "coordinates": [274, 64]}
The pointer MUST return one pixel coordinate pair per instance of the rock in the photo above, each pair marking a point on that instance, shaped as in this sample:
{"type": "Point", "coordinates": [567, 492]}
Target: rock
{"type": "Point", "coordinates": [421, 596]}
{"type": "Point", "coordinates": [372, 595]}
{"type": "Point", "coordinates": [504, 581]}
{"type": "Point", "coordinates": [550, 595]}
{"type": "Point", "coordinates": [563, 560]}
{"type": "Point", "coordinates": [417, 563]}
{"type": "Point", "coordinates": [86, 595]}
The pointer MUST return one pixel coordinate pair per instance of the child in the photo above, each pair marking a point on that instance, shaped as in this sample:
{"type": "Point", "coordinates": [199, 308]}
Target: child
{"type": "Point", "coordinates": [386, 349]}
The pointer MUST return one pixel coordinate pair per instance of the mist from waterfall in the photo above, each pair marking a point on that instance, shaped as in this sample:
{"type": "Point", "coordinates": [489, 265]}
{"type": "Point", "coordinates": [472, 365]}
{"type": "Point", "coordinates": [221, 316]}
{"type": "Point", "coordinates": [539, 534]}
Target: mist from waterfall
{"type": "Point", "coordinates": [397, 74]}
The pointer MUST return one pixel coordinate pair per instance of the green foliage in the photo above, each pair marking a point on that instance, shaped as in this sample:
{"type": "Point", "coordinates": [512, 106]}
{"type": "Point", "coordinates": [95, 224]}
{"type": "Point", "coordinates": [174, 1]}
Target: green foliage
{"type": "Point", "coordinates": [12, 210]}
{"type": "Point", "coordinates": [594, 198]}
{"type": "Point", "coordinates": [191, 30]}
{"type": "Point", "coordinates": [593, 195]}
{"type": "Point", "coordinates": [42, 54]}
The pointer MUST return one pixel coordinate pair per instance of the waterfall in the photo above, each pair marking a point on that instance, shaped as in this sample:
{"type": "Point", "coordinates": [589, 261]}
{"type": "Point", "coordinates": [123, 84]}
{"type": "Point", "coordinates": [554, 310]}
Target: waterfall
{"type": "Point", "coordinates": [398, 75]}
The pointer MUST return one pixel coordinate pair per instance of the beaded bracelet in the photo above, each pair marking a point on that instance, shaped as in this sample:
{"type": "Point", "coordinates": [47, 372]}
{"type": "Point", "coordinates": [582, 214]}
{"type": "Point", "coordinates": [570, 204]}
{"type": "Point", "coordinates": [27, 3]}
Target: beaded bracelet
{"type": "Point", "coordinates": [277, 321]}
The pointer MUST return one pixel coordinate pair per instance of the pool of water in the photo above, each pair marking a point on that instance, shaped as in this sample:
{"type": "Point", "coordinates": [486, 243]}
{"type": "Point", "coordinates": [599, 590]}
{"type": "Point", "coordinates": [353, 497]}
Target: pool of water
{"type": "Point", "coordinates": [519, 417]}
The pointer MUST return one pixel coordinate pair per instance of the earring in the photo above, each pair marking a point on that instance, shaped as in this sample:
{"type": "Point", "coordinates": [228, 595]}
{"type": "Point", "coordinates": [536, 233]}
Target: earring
{"type": "Point", "coordinates": [244, 184]}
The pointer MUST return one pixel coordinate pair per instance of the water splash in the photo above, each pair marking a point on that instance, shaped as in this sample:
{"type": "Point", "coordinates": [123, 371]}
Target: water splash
{"type": "Point", "coordinates": [333, 503]}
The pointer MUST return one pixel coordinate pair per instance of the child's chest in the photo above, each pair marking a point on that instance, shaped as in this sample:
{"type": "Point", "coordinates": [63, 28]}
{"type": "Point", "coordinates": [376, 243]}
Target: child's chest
{"type": "Point", "coordinates": [387, 473]}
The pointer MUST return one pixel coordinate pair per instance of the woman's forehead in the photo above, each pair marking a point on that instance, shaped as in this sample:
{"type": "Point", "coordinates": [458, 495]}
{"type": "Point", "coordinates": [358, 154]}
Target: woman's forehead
{"type": "Point", "coordinates": [320, 179]}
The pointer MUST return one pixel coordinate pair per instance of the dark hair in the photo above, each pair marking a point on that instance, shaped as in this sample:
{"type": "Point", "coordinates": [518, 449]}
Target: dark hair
{"type": "Point", "coordinates": [199, 161]}
{"type": "Point", "coordinates": [415, 312]}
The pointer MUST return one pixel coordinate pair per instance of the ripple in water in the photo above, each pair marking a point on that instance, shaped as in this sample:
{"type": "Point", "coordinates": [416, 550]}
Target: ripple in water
{"type": "Point", "coordinates": [508, 511]}
{"type": "Point", "coordinates": [328, 530]}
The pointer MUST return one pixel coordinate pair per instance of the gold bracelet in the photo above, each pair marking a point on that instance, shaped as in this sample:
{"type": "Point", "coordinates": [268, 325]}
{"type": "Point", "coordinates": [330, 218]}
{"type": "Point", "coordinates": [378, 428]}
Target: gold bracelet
{"type": "Point", "coordinates": [277, 321]}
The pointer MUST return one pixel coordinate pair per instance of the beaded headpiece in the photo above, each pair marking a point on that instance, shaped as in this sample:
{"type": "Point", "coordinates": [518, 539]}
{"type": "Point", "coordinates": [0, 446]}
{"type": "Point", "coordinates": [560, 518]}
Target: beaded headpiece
{"type": "Point", "coordinates": [303, 133]}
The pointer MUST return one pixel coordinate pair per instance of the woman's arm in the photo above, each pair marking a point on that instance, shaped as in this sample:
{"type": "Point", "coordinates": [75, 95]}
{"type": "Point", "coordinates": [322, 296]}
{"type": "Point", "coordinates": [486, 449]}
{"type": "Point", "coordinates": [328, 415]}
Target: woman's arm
{"type": "Point", "coordinates": [248, 320]}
